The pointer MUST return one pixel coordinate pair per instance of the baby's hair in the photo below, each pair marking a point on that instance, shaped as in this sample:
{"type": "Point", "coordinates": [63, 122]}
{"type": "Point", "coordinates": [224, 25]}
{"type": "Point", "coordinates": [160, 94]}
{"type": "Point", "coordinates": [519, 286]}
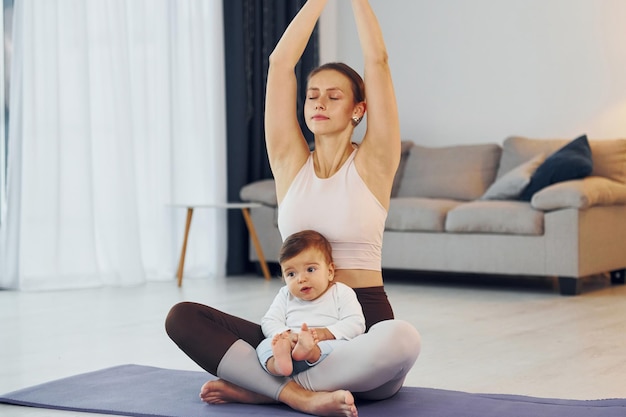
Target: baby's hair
{"type": "Point", "coordinates": [306, 239]}
{"type": "Point", "coordinates": [358, 86]}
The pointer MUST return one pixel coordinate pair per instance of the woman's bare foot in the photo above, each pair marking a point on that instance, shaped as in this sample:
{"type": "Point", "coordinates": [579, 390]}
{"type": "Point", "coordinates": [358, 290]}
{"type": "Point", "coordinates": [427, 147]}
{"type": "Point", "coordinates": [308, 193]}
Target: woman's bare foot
{"type": "Point", "coordinates": [338, 403]}
{"type": "Point", "coordinates": [280, 364]}
{"type": "Point", "coordinates": [221, 392]}
{"type": "Point", "coordinates": [306, 348]}
{"type": "Point", "coordinates": [331, 404]}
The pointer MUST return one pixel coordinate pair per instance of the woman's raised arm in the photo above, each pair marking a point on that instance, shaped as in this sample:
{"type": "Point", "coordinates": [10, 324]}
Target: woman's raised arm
{"type": "Point", "coordinates": [287, 149]}
{"type": "Point", "coordinates": [381, 144]}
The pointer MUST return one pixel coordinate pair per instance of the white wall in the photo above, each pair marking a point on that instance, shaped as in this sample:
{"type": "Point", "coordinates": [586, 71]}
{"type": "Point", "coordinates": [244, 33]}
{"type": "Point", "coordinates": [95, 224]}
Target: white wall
{"type": "Point", "coordinates": [468, 71]}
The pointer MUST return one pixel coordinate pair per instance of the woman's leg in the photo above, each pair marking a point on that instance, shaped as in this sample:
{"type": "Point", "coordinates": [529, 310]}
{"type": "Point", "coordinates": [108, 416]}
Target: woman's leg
{"type": "Point", "coordinates": [223, 345]}
{"type": "Point", "coordinates": [375, 305]}
{"type": "Point", "coordinates": [206, 334]}
{"type": "Point", "coordinates": [372, 365]}
{"type": "Point", "coordinates": [217, 349]}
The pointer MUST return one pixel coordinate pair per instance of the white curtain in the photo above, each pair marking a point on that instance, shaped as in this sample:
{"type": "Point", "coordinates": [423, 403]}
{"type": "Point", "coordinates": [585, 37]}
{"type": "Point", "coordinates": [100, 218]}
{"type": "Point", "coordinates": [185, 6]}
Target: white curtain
{"type": "Point", "coordinates": [116, 112]}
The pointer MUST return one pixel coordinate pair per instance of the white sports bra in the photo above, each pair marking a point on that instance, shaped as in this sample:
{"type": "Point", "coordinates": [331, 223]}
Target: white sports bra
{"type": "Point", "coordinates": [341, 208]}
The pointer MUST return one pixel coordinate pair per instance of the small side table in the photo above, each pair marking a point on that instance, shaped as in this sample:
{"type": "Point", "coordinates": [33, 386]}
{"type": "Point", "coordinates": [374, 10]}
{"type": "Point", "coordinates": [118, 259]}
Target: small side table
{"type": "Point", "coordinates": [245, 210]}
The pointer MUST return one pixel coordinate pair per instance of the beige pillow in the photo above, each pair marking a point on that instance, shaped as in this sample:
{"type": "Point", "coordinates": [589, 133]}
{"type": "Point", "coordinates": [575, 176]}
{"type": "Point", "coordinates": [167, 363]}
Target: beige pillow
{"type": "Point", "coordinates": [460, 172]}
{"type": "Point", "coordinates": [517, 149]}
{"type": "Point", "coordinates": [511, 184]}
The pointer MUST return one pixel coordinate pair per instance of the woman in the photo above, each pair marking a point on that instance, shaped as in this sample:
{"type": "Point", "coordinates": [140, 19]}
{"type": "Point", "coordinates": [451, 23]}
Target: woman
{"type": "Point", "coordinates": [342, 191]}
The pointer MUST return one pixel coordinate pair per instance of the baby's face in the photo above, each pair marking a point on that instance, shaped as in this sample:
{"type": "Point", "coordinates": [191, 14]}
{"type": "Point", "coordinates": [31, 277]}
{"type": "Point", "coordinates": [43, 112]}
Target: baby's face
{"type": "Point", "coordinates": [307, 274]}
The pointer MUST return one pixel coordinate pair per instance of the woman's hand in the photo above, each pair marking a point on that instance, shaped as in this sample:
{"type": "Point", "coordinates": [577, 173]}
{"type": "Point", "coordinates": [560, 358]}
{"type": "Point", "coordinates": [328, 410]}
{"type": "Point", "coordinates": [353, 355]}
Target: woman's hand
{"type": "Point", "coordinates": [324, 334]}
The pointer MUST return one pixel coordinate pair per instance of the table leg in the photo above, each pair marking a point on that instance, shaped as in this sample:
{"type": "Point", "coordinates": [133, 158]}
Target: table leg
{"type": "Point", "coordinates": [181, 262]}
{"type": "Point", "coordinates": [255, 241]}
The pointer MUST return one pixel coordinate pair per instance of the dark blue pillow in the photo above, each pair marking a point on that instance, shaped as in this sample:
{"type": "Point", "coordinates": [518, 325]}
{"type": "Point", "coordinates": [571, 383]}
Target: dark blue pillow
{"type": "Point", "coordinates": [571, 162]}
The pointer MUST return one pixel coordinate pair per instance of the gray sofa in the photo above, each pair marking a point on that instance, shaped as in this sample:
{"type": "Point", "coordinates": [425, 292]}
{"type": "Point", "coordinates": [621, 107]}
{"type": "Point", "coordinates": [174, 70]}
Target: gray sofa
{"type": "Point", "coordinates": [457, 209]}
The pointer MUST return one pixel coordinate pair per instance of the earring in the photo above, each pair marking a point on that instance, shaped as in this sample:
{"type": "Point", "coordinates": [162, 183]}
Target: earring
{"type": "Point", "coordinates": [356, 120]}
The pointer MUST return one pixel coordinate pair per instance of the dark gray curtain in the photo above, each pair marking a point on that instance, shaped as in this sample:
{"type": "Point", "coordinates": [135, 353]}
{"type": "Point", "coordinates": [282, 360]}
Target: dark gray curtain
{"type": "Point", "coordinates": [251, 30]}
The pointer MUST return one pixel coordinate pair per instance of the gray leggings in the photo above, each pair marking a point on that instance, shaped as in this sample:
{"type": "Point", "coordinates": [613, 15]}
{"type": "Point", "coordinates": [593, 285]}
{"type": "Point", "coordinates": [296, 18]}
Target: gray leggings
{"type": "Point", "coordinates": [372, 366]}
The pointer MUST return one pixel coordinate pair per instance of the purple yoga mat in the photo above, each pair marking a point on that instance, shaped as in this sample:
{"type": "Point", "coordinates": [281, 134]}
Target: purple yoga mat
{"type": "Point", "coordinates": [135, 390]}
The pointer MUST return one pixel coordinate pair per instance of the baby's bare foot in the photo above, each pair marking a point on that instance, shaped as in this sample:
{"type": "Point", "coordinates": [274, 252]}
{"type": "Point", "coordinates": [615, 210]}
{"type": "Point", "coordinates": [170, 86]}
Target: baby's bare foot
{"type": "Point", "coordinates": [280, 363]}
{"type": "Point", "coordinates": [222, 392]}
{"type": "Point", "coordinates": [306, 348]}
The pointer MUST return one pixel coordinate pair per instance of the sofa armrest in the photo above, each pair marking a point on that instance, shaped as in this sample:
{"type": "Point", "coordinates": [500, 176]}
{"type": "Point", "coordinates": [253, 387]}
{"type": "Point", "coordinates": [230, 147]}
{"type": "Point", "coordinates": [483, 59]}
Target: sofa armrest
{"type": "Point", "coordinates": [580, 194]}
{"type": "Point", "coordinates": [262, 191]}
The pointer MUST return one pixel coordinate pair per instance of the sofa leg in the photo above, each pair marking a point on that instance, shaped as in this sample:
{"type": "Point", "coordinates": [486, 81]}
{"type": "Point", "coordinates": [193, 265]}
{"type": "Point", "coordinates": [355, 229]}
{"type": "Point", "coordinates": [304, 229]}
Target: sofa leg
{"type": "Point", "coordinates": [617, 276]}
{"type": "Point", "coordinates": [569, 285]}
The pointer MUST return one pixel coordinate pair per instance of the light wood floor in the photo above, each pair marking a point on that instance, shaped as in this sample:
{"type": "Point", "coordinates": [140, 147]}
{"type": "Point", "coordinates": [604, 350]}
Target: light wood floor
{"type": "Point", "coordinates": [496, 335]}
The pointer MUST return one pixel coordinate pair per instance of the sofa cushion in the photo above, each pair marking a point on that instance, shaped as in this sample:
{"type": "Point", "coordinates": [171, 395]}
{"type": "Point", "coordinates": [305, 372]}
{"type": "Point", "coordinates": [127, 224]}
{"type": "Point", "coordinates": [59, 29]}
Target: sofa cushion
{"type": "Point", "coordinates": [505, 217]}
{"type": "Point", "coordinates": [572, 161]}
{"type": "Point", "coordinates": [418, 214]}
{"type": "Point", "coordinates": [511, 184]}
{"type": "Point", "coordinates": [262, 191]}
{"type": "Point", "coordinates": [608, 155]}
{"type": "Point", "coordinates": [460, 172]}
{"type": "Point", "coordinates": [580, 194]}
{"type": "Point", "coordinates": [406, 146]}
